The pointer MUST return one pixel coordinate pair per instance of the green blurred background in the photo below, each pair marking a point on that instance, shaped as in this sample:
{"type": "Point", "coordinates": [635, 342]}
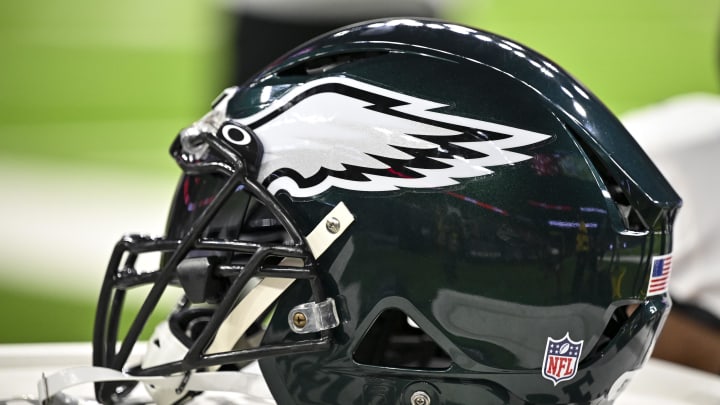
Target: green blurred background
{"type": "Point", "coordinates": [92, 93]}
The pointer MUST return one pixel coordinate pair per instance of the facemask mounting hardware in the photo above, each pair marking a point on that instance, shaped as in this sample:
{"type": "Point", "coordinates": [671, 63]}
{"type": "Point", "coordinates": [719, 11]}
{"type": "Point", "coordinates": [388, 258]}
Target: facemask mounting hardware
{"type": "Point", "coordinates": [314, 317]}
{"type": "Point", "coordinates": [420, 398]}
{"type": "Point", "coordinates": [333, 225]}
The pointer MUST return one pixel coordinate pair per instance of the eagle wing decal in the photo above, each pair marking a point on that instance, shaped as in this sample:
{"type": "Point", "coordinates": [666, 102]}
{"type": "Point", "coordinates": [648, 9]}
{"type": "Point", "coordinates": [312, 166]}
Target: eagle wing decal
{"type": "Point", "coordinates": [340, 132]}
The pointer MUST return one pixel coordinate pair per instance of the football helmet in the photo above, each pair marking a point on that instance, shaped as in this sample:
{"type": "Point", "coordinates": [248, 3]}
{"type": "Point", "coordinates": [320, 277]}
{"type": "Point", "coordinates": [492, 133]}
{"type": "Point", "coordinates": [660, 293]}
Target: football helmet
{"type": "Point", "coordinates": [402, 211]}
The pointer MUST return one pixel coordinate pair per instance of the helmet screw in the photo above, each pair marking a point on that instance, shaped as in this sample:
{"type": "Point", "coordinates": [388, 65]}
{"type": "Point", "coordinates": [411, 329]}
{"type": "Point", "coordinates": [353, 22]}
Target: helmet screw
{"type": "Point", "coordinates": [299, 320]}
{"type": "Point", "coordinates": [333, 225]}
{"type": "Point", "coordinates": [420, 398]}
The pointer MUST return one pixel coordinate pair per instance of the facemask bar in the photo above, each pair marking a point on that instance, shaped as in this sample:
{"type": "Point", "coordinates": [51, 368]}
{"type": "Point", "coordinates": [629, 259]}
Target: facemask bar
{"type": "Point", "coordinates": [119, 279]}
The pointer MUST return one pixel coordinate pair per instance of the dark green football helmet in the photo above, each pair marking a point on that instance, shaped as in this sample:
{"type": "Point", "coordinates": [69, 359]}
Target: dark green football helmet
{"type": "Point", "coordinates": [405, 211]}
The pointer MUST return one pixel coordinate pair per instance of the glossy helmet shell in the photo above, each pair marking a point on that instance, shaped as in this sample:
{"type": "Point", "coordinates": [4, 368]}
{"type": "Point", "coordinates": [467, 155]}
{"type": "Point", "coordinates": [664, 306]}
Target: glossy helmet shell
{"type": "Point", "coordinates": [490, 267]}
{"type": "Point", "coordinates": [507, 229]}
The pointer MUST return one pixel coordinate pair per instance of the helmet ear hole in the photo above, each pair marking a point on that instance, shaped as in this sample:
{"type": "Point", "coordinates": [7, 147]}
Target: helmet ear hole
{"type": "Point", "coordinates": [395, 340]}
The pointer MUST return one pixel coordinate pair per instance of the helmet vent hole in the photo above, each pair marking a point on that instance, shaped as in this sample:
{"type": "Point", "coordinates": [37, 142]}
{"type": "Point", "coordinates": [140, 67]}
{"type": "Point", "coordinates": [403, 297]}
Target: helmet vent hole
{"type": "Point", "coordinates": [395, 340]}
{"type": "Point", "coordinates": [324, 64]}
{"type": "Point", "coordinates": [631, 218]}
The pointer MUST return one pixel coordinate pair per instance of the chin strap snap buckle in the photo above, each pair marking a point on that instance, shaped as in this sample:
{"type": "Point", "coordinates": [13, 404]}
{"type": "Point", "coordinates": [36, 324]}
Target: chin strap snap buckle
{"type": "Point", "coordinates": [314, 317]}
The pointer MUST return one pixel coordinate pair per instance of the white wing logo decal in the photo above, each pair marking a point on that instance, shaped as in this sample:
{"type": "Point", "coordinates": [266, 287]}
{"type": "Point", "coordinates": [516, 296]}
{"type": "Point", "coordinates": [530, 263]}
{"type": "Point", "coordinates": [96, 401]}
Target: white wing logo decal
{"type": "Point", "coordinates": [340, 132]}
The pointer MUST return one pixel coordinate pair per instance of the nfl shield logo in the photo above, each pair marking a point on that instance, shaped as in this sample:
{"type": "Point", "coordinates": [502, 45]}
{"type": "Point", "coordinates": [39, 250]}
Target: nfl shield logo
{"type": "Point", "coordinates": [561, 359]}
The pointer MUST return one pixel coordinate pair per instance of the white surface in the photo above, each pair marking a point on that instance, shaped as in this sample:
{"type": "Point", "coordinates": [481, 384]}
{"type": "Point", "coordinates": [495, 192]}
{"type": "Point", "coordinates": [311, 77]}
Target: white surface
{"type": "Point", "coordinates": [22, 366]}
{"type": "Point", "coordinates": [659, 383]}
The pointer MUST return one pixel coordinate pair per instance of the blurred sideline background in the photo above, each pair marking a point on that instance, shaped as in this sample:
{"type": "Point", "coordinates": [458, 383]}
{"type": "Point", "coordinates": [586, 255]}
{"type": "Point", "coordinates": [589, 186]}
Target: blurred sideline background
{"type": "Point", "coordinates": [92, 93]}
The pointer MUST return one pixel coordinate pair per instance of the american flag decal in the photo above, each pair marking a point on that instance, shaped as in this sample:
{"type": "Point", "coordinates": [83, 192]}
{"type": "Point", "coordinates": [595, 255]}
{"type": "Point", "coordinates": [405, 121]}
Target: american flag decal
{"type": "Point", "coordinates": [660, 275]}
